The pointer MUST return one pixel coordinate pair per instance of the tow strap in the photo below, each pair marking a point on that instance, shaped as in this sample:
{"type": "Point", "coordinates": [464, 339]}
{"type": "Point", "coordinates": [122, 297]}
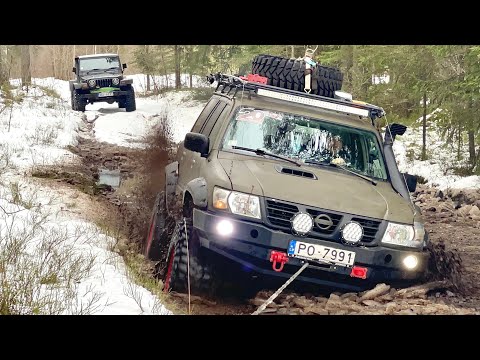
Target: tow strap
{"type": "Point", "coordinates": [278, 292]}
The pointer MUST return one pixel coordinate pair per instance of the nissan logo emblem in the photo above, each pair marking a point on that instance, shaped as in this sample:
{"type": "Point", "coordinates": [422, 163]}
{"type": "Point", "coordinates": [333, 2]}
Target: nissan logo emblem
{"type": "Point", "coordinates": [323, 221]}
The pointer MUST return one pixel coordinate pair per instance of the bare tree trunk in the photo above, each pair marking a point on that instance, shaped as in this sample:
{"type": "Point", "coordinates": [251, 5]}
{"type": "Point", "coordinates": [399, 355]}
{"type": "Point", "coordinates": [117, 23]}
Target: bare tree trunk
{"type": "Point", "coordinates": [3, 76]}
{"type": "Point", "coordinates": [164, 68]}
{"type": "Point", "coordinates": [424, 127]}
{"type": "Point", "coordinates": [471, 147]}
{"type": "Point", "coordinates": [293, 51]}
{"type": "Point", "coordinates": [178, 84]}
{"type": "Point", "coordinates": [459, 140]}
{"type": "Point", "coordinates": [25, 62]}
{"type": "Point", "coordinates": [191, 78]}
{"type": "Point", "coordinates": [52, 48]}
{"type": "Point", "coordinates": [148, 71]}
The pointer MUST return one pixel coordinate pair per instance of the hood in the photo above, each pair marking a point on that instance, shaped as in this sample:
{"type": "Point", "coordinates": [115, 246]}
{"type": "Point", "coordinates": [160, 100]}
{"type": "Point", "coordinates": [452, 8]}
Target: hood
{"type": "Point", "coordinates": [333, 189]}
{"type": "Point", "coordinates": [100, 75]}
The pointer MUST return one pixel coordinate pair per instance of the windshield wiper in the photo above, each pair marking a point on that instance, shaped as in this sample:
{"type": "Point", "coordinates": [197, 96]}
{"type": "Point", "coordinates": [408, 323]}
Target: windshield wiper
{"type": "Point", "coordinates": [343, 168]}
{"type": "Point", "coordinates": [89, 71]}
{"type": "Point", "coordinates": [263, 152]}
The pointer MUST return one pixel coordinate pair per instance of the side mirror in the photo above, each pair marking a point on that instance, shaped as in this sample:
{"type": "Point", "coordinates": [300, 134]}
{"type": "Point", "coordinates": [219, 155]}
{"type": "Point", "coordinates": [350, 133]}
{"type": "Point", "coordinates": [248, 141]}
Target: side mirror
{"type": "Point", "coordinates": [411, 182]}
{"type": "Point", "coordinates": [124, 66]}
{"type": "Point", "coordinates": [74, 69]}
{"type": "Point", "coordinates": [393, 130]}
{"type": "Point", "coordinates": [197, 142]}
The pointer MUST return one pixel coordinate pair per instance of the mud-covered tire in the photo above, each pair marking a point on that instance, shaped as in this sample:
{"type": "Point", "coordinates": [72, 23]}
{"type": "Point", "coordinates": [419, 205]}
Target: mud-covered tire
{"type": "Point", "coordinates": [202, 279]}
{"type": "Point", "coordinates": [130, 104]}
{"type": "Point", "coordinates": [121, 103]}
{"type": "Point", "coordinates": [160, 230]}
{"type": "Point", "coordinates": [290, 74]}
{"type": "Point", "coordinates": [78, 101]}
{"type": "Point", "coordinates": [73, 101]}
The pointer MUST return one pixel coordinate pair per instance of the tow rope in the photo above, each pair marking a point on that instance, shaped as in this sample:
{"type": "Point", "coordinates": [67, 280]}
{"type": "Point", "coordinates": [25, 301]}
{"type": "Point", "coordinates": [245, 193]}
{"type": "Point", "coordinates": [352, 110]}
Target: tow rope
{"type": "Point", "coordinates": [278, 292]}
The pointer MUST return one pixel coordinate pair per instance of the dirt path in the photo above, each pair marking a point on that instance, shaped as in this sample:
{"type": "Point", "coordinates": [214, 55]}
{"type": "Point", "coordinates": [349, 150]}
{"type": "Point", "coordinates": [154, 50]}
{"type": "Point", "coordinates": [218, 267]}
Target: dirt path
{"type": "Point", "coordinates": [128, 203]}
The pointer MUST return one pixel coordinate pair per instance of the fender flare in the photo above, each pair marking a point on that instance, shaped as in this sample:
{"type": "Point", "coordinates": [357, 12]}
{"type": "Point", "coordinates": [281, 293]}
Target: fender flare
{"type": "Point", "coordinates": [199, 191]}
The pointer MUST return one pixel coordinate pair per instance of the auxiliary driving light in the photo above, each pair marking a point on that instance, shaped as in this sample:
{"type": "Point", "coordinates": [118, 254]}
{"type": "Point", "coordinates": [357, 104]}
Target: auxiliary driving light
{"type": "Point", "coordinates": [92, 83]}
{"type": "Point", "coordinates": [302, 223]}
{"type": "Point", "coordinates": [225, 227]}
{"type": "Point", "coordinates": [115, 81]}
{"type": "Point", "coordinates": [410, 262]}
{"type": "Point", "coordinates": [352, 232]}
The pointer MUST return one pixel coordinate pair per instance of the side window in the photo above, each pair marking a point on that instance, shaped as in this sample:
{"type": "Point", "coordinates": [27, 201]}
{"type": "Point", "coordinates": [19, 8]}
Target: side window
{"type": "Point", "coordinates": [199, 124]}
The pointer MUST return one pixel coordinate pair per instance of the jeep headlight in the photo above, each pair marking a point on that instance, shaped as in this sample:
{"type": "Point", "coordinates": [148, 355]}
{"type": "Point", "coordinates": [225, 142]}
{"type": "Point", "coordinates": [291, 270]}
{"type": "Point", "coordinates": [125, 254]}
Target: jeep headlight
{"type": "Point", "coordinates": [115, 81]}
{"type": "Point", "coordinates": [404, 235]}
{"type": "Point", "coordinates": [92, 83]}
{"type": "Point", "coordinates": [237, 202]}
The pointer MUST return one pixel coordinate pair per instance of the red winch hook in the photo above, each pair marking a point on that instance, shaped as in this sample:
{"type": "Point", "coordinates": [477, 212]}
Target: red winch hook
{"type": "Point", "coordinates": [280, 257]}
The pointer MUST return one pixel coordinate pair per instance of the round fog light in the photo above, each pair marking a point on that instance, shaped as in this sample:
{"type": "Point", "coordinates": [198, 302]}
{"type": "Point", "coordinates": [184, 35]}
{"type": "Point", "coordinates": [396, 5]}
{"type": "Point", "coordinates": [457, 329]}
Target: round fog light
{"type": "Point", "coordinates": [302, 223]}
{"type": "Point", "coordinates": [92, 83]}
{"type": "Point", "coordinates": [115, 81]}
{"type": "Point", "coordinates": [352, 232]}
{"type": "Point", "coordinates": [225, 227]}
{"type": "Point", "coordinates": [410, 262]}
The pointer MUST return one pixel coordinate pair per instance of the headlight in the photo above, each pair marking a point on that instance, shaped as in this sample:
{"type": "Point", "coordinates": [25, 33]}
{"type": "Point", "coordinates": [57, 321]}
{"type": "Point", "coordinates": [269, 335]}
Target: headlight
{"type": "Point", "coordinates": [115, 81]}
{"type": "Point", "coordinates": [404, 235]}
{"type": "Point", "coordinates": [238, 203]}
{"type": "Point", "coordinates": [92, 83]}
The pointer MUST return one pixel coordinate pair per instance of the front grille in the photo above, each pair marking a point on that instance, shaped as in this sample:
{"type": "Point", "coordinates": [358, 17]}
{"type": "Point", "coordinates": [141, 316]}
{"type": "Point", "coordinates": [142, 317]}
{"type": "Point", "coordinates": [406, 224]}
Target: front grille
{"type": "Point", "coordinates": [104, 82]}
{"type": "Point", "coordinates": [280, 213]}
{"type": "Point", "coordinates": [336, 218]}
{"type": "Point", "coordinates": [370, 228]}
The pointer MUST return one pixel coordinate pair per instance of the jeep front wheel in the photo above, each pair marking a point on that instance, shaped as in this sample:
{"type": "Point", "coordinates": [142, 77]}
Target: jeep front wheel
{"type": "Point", "coordinates": [78, 104]}
{"type": "Point", "coordinates": [130, 100]}
{"type": "Point", "coordinates": [73, 101]}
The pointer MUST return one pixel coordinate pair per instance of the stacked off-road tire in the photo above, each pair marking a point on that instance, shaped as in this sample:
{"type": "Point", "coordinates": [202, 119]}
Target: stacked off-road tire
{"type": "Point", "coordinates": [290, 74]}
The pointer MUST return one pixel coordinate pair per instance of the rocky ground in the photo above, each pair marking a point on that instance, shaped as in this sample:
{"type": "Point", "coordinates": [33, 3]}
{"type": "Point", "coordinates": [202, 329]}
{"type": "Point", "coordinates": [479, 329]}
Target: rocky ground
{"type": "Point", "coordinates": [452, 221]}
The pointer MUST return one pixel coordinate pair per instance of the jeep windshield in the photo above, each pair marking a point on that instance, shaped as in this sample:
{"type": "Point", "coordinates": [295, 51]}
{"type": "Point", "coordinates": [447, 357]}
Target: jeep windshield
{"type": "Point", "coordinates": [100, 64]}
{"type": "Point", "coordinates": [313, 141]}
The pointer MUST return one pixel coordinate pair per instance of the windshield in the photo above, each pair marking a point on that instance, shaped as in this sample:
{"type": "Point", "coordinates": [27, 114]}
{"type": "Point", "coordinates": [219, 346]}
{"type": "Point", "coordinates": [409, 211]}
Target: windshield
{"type": "Point", "coordinates": [310, 140]}
{"type": "Point", "coordinates": [100, 63]}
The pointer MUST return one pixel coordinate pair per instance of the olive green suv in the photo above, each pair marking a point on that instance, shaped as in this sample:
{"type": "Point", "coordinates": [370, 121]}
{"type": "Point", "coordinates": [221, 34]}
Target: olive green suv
{"type": "Point", "coordinates": [270, 178]}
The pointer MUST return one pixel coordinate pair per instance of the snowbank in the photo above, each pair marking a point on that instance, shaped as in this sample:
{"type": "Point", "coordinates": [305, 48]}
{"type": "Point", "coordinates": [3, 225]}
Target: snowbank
{"type": "Point", "coordinates": [437, 170]}
{"type": "Point", "coordinates": [36, 219]}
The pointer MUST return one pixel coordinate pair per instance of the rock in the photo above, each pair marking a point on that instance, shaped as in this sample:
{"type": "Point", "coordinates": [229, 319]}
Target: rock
{"type": "Point", "coordinates": [316, 309]}
{"type": "Point", "coordinates": [464, 210]}
{"type": "Point", "coordinates": [474, 211]}
{"type": "Point", "coordinates": [333, 304]}
{"type": "Point", "coordinates": [283, 311]}
{"type": "Point", "coordinates": [407, 312]}
{"type": "Point", "coordinates": [350, 295]}
{"type": "Point", "coordinates": [269, 311]}
{"type": "Point", "coordinates": [302, 302]}
{"type": "Point", "coordinates": [256, 301]}
{"type": "Point", "coordinates": [386, 297]}
{"type": "Point", "coordinates": [450, 294]}
{"type": "Point", "coordinates": [371, 303]}
{"type": "Point", "coordinates": [378, 290]}
{"type": "Point", "coordinates": [390, 308]}
{"type": "Point", "coordinates": [264, 294]}
{"type": "Point", "coordinates": [429, 310]}
{"type": "Point", "coordinates": [440, 194]}
{"type": "Point", "coordinates": [432, 209]}
{"type": "Point", "coordinates": [321, 300]}
{"type": "Point", "coordinates": [334, 297]}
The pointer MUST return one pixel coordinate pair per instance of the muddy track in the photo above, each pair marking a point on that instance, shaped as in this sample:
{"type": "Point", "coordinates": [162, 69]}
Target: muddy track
{"type": "Point", "coordinates": [446, 224]}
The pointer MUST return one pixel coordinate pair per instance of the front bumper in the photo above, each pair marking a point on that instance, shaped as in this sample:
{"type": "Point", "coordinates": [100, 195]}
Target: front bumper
{"type": "Point", "coordinates": [99, 97]}
{"type": "Point", "coordinates": [251, 243]}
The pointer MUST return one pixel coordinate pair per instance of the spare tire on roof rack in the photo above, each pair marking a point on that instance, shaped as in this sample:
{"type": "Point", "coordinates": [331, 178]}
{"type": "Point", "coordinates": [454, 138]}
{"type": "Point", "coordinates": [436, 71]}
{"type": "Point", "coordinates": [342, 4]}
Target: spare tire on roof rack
{"type": "Point", "coordinates": [290, 74]}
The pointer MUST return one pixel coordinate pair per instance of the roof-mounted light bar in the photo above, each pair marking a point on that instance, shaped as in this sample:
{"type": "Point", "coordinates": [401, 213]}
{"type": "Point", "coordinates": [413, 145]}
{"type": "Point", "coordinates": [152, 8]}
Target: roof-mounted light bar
{"type": "Point", "coordinates": [313, 102]}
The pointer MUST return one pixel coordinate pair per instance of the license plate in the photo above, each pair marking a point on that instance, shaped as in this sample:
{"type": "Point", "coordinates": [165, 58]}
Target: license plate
{"type": "Point", "coordinates": [105, 94]}
{"type": "Point", "coordinates": [321, 253]}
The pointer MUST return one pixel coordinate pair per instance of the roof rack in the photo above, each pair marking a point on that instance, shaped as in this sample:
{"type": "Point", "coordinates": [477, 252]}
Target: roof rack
{"type": "Point", "coordinates": [230, 84]}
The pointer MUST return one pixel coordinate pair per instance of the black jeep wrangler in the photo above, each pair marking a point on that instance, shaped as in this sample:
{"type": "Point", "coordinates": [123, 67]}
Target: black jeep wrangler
{"type": "Point", "coordinates": [99, 77]}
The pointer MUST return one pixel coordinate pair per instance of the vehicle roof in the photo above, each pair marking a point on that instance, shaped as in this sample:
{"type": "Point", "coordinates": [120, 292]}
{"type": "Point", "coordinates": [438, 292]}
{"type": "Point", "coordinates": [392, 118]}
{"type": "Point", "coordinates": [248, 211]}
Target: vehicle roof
{"type": "Point", "coordinates": [340, 118]}
{"type": "Point", "coordinates": [95, 55]}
